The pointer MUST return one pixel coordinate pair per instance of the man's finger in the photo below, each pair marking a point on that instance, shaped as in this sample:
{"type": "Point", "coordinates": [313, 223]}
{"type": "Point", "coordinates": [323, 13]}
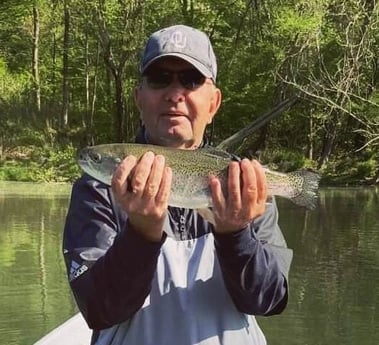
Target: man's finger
{"type": "Point", "coordinates": [142, 172]}
{"type": "Point", "coordinates": [120, 177]}
{"type": "Point", "coordinates": [250, 189]}
{"type": "Point", "coordinates": [261, 182]}
{"type": "Point", "coordinates": [234, 186]}
{"type": "Point", "coordinates": [154, 180]}
{"type": "Point", "coordinates": [164, 187]}
{"type": "Point", "coordinates": [218, 198]}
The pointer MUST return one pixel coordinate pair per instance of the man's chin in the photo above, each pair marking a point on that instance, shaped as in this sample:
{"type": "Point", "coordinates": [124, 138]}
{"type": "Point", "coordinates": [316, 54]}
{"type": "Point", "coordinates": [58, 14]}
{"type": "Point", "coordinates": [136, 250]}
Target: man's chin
{"type": "Point", "coordinates": [171, 137]}
{"type": "Point", "coordinates": [174, 140]}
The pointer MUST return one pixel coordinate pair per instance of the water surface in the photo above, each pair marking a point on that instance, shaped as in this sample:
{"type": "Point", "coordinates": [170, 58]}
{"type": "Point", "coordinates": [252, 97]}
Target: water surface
{"type": "Point", "coordinates": [334, 279]}
{"type": "Point", "coordinates": [34, 295]}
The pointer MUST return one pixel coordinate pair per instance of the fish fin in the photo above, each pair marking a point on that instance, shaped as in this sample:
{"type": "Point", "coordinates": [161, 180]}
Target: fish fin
{"type": "Point", "coordinates": [309, 192]}
{"type": "Point", "coordinates": [215, 152]}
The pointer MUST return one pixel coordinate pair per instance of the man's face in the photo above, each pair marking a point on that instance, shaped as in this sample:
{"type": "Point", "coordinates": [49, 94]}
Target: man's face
{"type": "Point", "coordinates": [174, 115]}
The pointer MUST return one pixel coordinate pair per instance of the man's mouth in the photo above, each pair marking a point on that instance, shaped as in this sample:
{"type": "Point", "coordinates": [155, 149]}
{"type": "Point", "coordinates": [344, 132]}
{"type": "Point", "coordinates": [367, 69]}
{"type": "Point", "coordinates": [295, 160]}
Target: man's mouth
{"type": "Point", "coordinates": [174, 114]}
{"type": "Point", "coordinates": [175, 117]}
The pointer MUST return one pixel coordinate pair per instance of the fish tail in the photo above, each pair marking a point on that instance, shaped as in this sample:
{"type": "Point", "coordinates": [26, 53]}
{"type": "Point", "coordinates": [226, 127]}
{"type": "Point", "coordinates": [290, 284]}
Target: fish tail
{"type": "Point", "coordinates": [308, 194]}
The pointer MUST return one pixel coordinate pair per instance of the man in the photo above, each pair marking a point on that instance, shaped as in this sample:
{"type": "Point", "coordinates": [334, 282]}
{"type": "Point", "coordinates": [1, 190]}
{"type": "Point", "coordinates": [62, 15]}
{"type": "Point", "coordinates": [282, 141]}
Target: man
{"type": "Point", "coordinates": [145, 273]}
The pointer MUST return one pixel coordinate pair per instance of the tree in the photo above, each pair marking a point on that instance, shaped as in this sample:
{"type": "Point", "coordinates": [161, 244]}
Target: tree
{"type": "Point", "coordinates": [35, 58]}
{"type": "Point", "coordinates": [123, 27]}
{"type": "Point", "coordinates": [75, 64]}
{"type": "Point", "coordinates": [340, 73]}
{"type": "Point", "coordinates": [65, 69]}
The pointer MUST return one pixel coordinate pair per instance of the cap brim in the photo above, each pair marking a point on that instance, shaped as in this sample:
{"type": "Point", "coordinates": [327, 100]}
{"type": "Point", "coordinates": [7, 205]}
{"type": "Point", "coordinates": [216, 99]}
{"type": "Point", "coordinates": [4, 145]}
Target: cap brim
{"type": "Point", "coordinates": [195, 63]}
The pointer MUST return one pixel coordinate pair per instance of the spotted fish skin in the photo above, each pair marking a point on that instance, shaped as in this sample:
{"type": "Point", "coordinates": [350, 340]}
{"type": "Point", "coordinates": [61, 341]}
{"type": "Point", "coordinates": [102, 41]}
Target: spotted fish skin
{"type": "Point", "coordinates": [191, 170]}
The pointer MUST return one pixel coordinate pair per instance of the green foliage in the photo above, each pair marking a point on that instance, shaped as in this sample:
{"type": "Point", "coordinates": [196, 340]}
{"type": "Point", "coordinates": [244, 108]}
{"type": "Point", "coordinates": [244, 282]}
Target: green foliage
{"type": "Point", "coordinates": [58, 165]}
{"type": "Point", "coordinates": [13, 172]}
{"type": "Point", "coordinates": [366, 170]}
{"type": "Point", "coordinates": [12, 86]}
{"type": "Point", "coordinates": [284, 160]}
{"type": "Point", "coordinates": [350, 170]}
{"type": "Point", "coordinates": [292, 21]}
{"type": "Point", "coordinates": [324, 51]}
{"type": "Point", "coordinates": [44, 165]}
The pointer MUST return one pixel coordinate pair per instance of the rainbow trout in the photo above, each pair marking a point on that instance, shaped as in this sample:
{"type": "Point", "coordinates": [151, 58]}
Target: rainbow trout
{"type": "Point", "coordinates": [191, 169]}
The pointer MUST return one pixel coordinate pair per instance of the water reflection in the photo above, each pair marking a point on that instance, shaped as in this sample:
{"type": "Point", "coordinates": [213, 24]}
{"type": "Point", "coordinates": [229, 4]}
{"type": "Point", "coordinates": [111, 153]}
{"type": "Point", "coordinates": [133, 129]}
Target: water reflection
{"type": "Point", "coordinates": [334, 294]}
{"type": "Point", "coordinates": [334, 280]}
{"type": "Point", "coordinates": [34, 296]}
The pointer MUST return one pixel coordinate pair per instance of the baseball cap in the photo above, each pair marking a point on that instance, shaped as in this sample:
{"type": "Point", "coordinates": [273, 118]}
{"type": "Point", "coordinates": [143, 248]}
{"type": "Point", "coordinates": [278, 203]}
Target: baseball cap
{"type": "Point", "coordinates": [184, 42]}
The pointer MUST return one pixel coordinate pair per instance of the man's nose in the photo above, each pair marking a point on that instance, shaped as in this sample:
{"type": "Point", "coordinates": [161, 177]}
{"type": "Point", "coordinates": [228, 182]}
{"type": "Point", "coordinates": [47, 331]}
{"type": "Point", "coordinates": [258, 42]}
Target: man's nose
{"type": "Point", "coordinates": [175, 91]}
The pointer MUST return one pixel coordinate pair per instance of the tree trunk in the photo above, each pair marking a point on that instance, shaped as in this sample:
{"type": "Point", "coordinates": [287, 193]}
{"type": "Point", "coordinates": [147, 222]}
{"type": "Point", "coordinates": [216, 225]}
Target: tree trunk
{"type": "Point", "coordinates": [330, 136]}
{"type": "Point", "coordinates": [188, 11]}
{"type": "Point", "coordinates": [65, 72]}
{"type": "Point", "coordinates": [120, 109]}
{"type": "Point", "coordinates": [117, 73]}
{"type": "Point", "coordinates": [85, 119]}
{"type": "Point", "coordinates": [90, 93]}
{"type": "Point", "coordinates": [310, 136]}
{"type": "Point", "coordinates": [35, 62]}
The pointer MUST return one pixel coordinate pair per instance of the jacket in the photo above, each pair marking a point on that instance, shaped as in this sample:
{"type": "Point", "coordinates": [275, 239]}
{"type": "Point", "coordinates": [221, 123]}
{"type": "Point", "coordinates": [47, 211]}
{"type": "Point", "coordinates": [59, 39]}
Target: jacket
{"type": "Point", "coordinates": [194, 287]}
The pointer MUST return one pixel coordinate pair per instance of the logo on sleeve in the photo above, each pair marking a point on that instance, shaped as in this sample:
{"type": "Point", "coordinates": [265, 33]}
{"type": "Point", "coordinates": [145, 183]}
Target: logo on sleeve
{"type": "Point", "coordinates": [76, 270]}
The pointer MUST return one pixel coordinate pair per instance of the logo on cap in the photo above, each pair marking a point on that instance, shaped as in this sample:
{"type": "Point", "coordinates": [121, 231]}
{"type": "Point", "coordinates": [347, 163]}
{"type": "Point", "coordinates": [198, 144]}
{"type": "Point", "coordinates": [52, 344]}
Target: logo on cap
{"type": "Point", "coordinates": [178, 39]}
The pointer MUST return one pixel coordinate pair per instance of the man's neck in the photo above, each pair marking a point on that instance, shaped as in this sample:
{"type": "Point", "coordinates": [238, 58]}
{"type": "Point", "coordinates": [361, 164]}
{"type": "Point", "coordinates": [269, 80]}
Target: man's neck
{"type": "Point", "coordinates": [178, 144]}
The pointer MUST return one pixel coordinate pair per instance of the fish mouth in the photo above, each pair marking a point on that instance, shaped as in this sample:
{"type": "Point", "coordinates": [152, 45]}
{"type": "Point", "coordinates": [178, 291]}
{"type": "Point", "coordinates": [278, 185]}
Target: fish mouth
{"type": "Point", "coordinates": [83, 160]}
{"type": "Point", "coordinates": [82, 155]}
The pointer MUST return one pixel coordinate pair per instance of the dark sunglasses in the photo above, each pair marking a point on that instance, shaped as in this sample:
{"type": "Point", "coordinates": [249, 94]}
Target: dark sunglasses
{"type": "Point", "coordinates": [190, 79]}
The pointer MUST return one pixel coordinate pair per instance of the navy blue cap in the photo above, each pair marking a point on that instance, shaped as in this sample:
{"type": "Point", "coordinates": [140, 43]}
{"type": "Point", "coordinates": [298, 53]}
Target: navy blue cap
{"type": "Point", "coordinates": [185, 43]}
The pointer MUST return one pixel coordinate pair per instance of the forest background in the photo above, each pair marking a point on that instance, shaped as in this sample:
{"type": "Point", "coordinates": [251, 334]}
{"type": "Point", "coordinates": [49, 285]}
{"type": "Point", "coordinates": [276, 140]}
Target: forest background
{"type": "Point", "coordinates": [68, 69]}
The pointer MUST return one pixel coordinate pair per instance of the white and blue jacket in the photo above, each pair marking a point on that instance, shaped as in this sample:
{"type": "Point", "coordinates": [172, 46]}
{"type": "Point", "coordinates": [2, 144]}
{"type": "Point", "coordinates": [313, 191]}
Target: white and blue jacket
{"type": "Point", "coordinates": [194, 287]}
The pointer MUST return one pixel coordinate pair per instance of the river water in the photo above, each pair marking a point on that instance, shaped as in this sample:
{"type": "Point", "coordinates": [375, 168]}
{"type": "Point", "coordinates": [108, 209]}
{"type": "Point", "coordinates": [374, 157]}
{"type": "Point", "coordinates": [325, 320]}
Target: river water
{"type": "Point", "coordinates": [334, 279]}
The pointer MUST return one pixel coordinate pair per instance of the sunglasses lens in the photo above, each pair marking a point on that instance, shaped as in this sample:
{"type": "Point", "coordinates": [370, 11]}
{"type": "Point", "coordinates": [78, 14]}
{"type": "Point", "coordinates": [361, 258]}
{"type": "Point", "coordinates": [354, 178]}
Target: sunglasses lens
{"type": "Point", "coordinates": [191, 79]}
{"type": "Point", "coordinates": [159, 79]}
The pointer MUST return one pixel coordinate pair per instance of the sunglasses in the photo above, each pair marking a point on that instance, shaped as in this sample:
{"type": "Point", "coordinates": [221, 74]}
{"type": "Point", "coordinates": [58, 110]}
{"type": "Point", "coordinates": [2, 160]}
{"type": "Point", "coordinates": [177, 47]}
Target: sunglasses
{"type": "Point", "coordinates": [190, 79]}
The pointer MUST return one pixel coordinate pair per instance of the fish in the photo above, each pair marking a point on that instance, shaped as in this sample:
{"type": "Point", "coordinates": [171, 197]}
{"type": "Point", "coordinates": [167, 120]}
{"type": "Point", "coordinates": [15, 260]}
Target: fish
{"type": "Point", "coordinates": [191, 170]}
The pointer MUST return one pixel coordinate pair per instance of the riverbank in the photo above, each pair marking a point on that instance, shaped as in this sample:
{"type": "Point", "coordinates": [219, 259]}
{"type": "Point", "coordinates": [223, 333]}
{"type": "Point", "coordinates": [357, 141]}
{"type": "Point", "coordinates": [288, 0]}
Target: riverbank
{"type": "Point", "coordinates": [63, 168]}
{"type": "Point", "coordinates": [40, 165]}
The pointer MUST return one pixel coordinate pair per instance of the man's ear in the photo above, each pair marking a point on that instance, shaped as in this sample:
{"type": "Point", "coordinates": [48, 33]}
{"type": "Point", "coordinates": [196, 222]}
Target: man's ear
{"type": "Point", "coordinates": [214, 104]}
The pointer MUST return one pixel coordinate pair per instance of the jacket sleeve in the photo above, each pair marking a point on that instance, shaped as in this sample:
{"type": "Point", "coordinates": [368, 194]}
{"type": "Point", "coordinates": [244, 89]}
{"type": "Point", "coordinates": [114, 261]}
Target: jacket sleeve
{"type": "Point", "coordinates": [255, 262]}
{"type": "Point", "coordinates": [110, 267]}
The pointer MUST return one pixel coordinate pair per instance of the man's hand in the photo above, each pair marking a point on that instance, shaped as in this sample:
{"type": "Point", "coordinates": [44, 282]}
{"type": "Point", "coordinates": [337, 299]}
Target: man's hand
{"type": "Point", "coordinates": [142, 188]}
{"type": "Point", "coordinates": [246, 199]}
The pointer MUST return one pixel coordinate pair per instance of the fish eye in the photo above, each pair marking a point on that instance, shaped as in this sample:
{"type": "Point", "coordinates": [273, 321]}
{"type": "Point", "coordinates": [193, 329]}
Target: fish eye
{"type": "Point", "coordinates": [96, 157]}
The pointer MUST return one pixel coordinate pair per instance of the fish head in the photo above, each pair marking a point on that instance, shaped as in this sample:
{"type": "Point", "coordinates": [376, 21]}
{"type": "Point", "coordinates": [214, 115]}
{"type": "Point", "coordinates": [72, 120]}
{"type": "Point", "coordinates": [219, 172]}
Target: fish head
{"type": "Point", "coordinates": [99, 165]}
